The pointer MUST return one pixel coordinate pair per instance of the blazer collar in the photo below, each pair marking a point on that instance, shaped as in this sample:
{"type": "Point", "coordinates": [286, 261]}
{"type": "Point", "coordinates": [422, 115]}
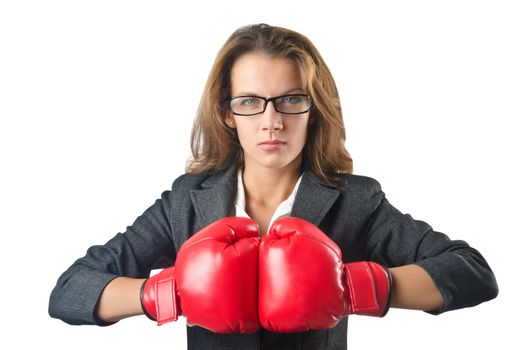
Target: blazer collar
{"type": "Point", "coordinates": [216, 198]}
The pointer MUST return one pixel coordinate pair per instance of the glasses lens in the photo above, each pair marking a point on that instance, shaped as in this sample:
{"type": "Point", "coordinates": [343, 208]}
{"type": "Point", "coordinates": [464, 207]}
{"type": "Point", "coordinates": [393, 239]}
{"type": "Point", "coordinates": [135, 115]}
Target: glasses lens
{"type": "Point", "coordinates": [292, 104]}
{"type": "Point", "coordinates": [247, 105]}
{"type": "Point", "coordinates": [287, 104]}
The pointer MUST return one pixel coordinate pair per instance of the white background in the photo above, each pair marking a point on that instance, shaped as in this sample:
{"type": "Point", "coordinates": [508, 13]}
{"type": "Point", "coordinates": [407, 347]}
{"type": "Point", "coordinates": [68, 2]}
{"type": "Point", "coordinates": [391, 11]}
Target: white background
{"type": "Point", "coordinates": [97, 100]}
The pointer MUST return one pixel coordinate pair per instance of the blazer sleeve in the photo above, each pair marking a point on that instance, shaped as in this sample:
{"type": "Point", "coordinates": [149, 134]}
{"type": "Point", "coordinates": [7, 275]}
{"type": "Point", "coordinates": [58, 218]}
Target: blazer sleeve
{"type": "Point", "coordinates": [145, 245]}
{"type": "Point", "coordinates": [459, 271]}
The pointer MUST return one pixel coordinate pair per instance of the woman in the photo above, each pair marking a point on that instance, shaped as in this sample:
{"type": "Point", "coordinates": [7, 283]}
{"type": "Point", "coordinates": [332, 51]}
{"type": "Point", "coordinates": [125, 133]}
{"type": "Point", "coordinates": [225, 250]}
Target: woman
{"type": "Point", "coordinates": [268, 144]}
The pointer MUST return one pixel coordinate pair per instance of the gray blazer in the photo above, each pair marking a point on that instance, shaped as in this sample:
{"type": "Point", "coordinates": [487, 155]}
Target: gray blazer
{"type": "Point", "coordinates": [355, 214]}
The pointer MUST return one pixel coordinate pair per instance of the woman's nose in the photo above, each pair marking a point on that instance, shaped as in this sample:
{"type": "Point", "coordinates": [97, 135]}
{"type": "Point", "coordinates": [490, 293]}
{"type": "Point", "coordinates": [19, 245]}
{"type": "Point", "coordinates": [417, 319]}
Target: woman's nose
{"type": "Point", "coordinates": [271, 119]}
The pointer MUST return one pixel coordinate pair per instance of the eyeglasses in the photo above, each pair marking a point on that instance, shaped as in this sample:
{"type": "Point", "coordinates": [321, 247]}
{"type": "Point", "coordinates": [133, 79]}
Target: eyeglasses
{"type": "Point", "coordinates": [286, 104]}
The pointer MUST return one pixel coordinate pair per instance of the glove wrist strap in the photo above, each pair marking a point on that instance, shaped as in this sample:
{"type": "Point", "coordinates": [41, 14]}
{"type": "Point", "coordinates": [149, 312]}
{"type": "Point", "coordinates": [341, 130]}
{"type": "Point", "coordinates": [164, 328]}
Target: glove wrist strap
{"type": "Point", "coordinates": [369, 287]}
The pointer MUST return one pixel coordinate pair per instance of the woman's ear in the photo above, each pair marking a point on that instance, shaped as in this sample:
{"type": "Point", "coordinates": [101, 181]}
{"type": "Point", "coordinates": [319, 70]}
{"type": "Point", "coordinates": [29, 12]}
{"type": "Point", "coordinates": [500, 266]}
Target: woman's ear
{"type": "Point", "coordinates": [230, 121]}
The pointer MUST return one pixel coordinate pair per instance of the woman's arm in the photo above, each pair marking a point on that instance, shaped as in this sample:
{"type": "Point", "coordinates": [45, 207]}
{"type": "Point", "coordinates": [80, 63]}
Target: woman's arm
{"type": "Point", "coordinates": [431, 271]}
{"type": "Point", "coordinates": [413, 288]}
{"type": "Point", "coordinates": [146, 245]}
{"type": "Point", "coordinates": [120, 299]}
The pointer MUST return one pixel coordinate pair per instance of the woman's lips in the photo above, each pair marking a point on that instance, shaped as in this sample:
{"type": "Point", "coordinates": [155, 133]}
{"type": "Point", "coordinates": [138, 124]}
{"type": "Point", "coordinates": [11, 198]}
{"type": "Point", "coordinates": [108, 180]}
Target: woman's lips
{"type": "Point", "coordinates": [271, 145]}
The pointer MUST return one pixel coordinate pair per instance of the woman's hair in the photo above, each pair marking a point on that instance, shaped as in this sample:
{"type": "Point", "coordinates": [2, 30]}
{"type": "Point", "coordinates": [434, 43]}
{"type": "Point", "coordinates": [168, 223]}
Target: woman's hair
{"type": "Point", "coordinates": [215, 146]}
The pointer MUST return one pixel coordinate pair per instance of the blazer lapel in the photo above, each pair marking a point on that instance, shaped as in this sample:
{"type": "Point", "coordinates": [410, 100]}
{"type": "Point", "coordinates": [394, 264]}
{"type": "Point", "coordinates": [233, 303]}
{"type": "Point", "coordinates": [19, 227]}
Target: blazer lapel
{"type": "Point", "coordinates": [314, 198]}
{"type": "Point", "coordinates": [217, 197]}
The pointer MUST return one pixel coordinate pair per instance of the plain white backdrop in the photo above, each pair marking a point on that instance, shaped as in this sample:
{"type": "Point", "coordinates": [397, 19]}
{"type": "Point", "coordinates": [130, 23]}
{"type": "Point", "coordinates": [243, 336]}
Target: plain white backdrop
{"type": "Point", "coordinates": [97, 100]}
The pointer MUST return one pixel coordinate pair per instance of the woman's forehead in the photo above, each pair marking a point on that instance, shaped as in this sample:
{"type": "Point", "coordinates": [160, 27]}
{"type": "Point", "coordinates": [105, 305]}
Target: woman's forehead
{"type": "Point", "coordinates": [264, 74]}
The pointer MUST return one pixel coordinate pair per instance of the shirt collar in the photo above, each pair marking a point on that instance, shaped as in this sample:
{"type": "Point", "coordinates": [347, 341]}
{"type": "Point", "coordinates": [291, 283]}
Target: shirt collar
{"type": "Point", "coordinates": [284, 208]}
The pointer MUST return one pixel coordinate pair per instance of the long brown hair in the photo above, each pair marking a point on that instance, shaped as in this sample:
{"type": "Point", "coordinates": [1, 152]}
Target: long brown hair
{"type": "Point", "coordinates": [215, 146]}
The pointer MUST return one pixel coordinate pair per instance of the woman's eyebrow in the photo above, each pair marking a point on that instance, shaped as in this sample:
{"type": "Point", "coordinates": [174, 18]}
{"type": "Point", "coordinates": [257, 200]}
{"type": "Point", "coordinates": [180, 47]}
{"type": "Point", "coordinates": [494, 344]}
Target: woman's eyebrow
{"type": "Point", "coordinates": [298, 89]}
{"type": "Point", "coordinates": [248, 93]}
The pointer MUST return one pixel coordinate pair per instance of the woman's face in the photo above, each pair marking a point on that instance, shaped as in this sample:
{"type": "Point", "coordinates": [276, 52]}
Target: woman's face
{"type": "Point", "coordinates": [258, 74]}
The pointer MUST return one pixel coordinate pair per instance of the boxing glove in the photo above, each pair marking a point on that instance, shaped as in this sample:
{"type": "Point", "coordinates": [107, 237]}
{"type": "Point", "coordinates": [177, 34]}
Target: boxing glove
{"type": "Point", "coordinates": [304, 285]}
{"type": "Point", "coordinates": [213, 282]}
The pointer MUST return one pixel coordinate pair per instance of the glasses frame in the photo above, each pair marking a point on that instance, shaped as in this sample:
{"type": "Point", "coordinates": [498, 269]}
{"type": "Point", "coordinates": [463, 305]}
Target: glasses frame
{"type": "Point", "coordinates": [270, 99]}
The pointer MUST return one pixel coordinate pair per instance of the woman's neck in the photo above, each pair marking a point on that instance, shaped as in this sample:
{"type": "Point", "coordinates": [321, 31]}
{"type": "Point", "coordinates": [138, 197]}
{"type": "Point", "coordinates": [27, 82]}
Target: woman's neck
{"type": "Point", "coordinates": [267, 186]}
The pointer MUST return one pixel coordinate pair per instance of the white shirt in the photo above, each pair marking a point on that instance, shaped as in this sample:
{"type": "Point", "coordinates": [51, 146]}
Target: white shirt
{"type": "Point", "coordinates": [284, 209]}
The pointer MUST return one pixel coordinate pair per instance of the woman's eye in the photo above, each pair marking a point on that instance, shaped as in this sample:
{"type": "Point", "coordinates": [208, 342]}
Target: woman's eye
{"type": "Point", "coordinates": [289, 100]}
{"type": "Point", "coordinates": [248, 101]}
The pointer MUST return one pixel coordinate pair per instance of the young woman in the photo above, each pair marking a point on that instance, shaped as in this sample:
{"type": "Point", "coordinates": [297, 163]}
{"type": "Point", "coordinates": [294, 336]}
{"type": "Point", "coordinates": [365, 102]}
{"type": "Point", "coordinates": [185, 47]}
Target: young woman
{"type": "Point", "coordinates": [276, 241]}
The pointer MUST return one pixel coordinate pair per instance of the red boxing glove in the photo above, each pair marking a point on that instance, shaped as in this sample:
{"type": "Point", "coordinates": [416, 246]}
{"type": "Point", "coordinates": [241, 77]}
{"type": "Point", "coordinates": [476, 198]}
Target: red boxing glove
{"type": "Point", "coordinates": [159, 299]}
{"type": "Point", "coordinates": [213, 282]}
{"type": "Point", "coordinates": [304, 285]}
